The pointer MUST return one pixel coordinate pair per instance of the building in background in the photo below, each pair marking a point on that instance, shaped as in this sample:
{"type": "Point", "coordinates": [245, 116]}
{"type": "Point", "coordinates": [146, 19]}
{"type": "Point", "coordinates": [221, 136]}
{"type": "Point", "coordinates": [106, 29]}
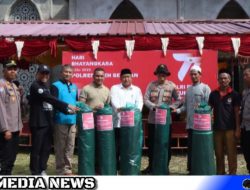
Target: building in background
{"type": "Point", "coordinates": [123, 9]}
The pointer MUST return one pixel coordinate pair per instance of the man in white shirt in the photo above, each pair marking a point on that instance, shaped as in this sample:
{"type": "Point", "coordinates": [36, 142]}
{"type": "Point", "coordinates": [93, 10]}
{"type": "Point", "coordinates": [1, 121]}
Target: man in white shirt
{"type": "Point", "coordinates": [122, 95]}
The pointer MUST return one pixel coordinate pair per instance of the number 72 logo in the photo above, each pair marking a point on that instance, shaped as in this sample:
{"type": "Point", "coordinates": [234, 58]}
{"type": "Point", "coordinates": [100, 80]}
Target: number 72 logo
{"type": "Point", "coordinates": [187, 60]}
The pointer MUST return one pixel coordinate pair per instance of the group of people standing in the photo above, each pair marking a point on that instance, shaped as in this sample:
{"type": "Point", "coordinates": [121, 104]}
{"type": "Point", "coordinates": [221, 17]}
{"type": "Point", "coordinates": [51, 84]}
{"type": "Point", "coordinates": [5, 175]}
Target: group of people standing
{"type": "Point", "coordinates": [53, 114]}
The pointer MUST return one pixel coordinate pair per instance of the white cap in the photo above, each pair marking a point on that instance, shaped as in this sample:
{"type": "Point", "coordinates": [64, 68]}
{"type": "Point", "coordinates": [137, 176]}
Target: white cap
{"type": "Point", "coordinates": [196, 68]}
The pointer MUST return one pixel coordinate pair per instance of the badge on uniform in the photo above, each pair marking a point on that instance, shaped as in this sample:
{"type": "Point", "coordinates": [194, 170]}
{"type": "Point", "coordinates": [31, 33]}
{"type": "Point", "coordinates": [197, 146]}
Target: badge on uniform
{"type": "Point", "coordinates": [40, 91]}
{"type": "Point", "coordinates": [229, 100]}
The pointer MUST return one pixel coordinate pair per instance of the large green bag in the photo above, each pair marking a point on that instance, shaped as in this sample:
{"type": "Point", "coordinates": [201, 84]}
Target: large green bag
{"type": "Point", "coordinates": [86, 140]}
{"type": "Point", "coordinates": [131, 135]}
{"type": "Point", "coordinates": [202, 156]}
{"type": "Point", "coordinates": [161, 141]}
{"type": "Point", "coordinates": [105, 141]}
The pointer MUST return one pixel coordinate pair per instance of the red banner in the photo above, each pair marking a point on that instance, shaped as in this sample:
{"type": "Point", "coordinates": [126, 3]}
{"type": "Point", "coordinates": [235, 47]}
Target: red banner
{"type": "Point", "coordinates": [143, 65]}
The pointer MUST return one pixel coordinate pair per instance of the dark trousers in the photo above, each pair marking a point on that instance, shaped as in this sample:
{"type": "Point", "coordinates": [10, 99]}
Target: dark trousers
{"type": "Point", "coordinates": [117, 147]}
{"type": "Point", "coordinates": [245, 145]}
{"type": "Point", "coordinates": [8, 152]}
{"type": "Point", "coordinates": [189, 144]}
{"type": "Point", "coordinates": [40, 149]}
{"type": "Point", "coordinates": [151, 136]}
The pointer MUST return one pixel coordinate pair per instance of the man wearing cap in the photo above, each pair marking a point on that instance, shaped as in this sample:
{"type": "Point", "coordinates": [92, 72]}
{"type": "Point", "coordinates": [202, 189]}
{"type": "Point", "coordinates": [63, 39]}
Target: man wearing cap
{"type": "Point", "coordinates": [122, 95]}
{"type": "Point", "coordinates": [10, 118]}
{"type": "Point", "coordinates": [196, 93]}
{"type": "Point", "coordinates": [158, 92]}
{"type": "Point", "coordinates": [65, 125]}
{"type": "Point", "coordinates": [41, 121]}
{"type": "Point", "coordinates": [226, 105]}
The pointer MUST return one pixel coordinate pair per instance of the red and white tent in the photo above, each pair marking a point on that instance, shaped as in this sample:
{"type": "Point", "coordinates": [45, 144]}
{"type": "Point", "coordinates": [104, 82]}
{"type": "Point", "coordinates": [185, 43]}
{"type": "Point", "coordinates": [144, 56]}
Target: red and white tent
{"type": "Point", "coordinates": [31, 38]}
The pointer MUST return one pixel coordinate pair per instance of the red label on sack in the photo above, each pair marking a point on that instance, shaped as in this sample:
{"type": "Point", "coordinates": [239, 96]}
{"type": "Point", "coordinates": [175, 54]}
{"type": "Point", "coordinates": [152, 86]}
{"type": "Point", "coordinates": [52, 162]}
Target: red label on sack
{"type": "Point", "coordinates": [202, 122]}
{"type": "Point", "coordinates": [160, 116]}
{"type": "Point", "coordinates": [87, 121]}
{"type": "Point", "coordinates": [127, 119]}
{"type": "Point", "coordinates": [104, 122]}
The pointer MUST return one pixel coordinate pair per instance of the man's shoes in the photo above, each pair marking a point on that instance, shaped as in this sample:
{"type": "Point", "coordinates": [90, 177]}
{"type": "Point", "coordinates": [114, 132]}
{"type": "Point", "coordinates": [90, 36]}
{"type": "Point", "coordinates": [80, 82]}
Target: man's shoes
{"type": "Point", "coordinates": [43, 173]}
{"type": "Point", "coordinates": [146, 171]}
{"type": "Point", "coordinates": [69, 174]}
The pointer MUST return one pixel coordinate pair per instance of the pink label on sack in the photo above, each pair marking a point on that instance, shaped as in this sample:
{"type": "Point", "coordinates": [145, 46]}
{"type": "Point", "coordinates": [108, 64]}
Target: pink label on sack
{"type": "Point", "coordinates": [104, 122]}
{"type": "Point", "coordinates": [160, 116]}
{"type": "Point", "coordinates": [127, 119]}
{"type": "Point", "coordinates": [202, 122]}
{"type": "Point", "coordinates": [87, 121]}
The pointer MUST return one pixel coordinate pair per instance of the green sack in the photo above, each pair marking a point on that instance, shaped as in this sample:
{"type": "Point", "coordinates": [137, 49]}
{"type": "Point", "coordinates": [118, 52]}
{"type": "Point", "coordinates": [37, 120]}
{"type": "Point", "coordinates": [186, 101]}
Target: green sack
{"type": "Point", "coordinates": [202, 160]}
{"type": "Point", "coordinates": [161, 142]}
{"type": "Point", "coordinates": [86, 140]}
{"type": "Point", "coordinates": [202, 156]}
{"type": "Point", "coordinates": [131, 136]}
{"type": "Point", "coordinates": [105, 142]}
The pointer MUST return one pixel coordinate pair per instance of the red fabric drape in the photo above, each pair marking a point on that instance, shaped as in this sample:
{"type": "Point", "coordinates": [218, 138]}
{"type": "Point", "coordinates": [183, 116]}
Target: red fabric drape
{"type": "Point", "coordinates": [222, 43]}
{"type": "Point", "coordinates": [7, 49]}
{"type": "Point", "coordinates": [176, 42]}
{"type": "Point", "coordinates": [245, 46]}
{"type": "Point", "coordinates": [182, 42]}
{"type": "Point", "coordinates": [37, 46]}
{"type": "Point", "coordinates": [111, 43]}
{"type": "Point", "coordinates": [106, 43]}
{"type": "Point", "coordinates": [78, 44]}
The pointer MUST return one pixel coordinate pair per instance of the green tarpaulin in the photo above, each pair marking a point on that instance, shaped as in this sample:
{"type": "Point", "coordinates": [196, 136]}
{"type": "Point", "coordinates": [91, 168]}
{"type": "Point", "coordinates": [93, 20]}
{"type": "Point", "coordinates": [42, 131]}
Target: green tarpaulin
{"type": "Point", "coordinates": [105, 142]}
{"type": "Point", "coordinates": [86, 140]}
{"type": "Point", "coordinates": [131, 135]}
{"type": "Point", "coordinates": [161, 141]}
{"type": "Point", "coordinates": [202, 159]}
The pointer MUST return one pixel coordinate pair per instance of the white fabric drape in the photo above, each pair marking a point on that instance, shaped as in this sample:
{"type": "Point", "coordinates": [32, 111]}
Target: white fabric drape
{"type": "Point", "coordinates": [19, 47]}
{"type": "Point", "coordinates": [95, 46]}
{"type": "Point", "coordinates": [164, 42]}
{"type": "Point", "coordinates": [200, 41]}
{"type": "Point", "coordinates": [236, 45]}
{"type": "Point", "coordinates": [130, 44]}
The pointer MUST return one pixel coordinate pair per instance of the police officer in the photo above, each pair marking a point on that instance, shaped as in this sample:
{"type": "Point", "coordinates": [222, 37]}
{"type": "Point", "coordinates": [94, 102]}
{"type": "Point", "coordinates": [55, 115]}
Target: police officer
{"type": "Point", "coordinates": [10, 118]}
{"type": "Point", "coordinates": [158, 92]}
{"type": "Point", "coordinates": [41, 108]}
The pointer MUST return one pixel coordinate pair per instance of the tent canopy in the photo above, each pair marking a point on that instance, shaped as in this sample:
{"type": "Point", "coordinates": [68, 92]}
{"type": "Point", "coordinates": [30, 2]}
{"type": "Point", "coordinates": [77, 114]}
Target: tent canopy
{"type": "Point", "coordinates": [122, 27]}
{"type": "Point", "coordinates": [41, 36]}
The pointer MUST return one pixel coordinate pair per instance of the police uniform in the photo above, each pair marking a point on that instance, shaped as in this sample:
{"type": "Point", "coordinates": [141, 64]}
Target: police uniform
{"type": "Point", "coordinates": [41, 117]}
{"type": "Point", "coordinates": [155, 95]}
{"type": "Point", "coordinates": [10, 120]}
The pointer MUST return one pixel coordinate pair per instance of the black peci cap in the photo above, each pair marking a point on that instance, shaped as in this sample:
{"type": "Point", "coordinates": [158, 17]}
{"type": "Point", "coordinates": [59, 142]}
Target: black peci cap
{"type": "Point", "coordinates": [125, 71]}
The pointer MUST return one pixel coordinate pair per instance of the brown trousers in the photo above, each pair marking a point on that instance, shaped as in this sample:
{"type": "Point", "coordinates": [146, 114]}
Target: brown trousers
{"type": "Point", "coordinates": [225, 142]}
{"type": "Point", "coordinates": [64, 144]}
